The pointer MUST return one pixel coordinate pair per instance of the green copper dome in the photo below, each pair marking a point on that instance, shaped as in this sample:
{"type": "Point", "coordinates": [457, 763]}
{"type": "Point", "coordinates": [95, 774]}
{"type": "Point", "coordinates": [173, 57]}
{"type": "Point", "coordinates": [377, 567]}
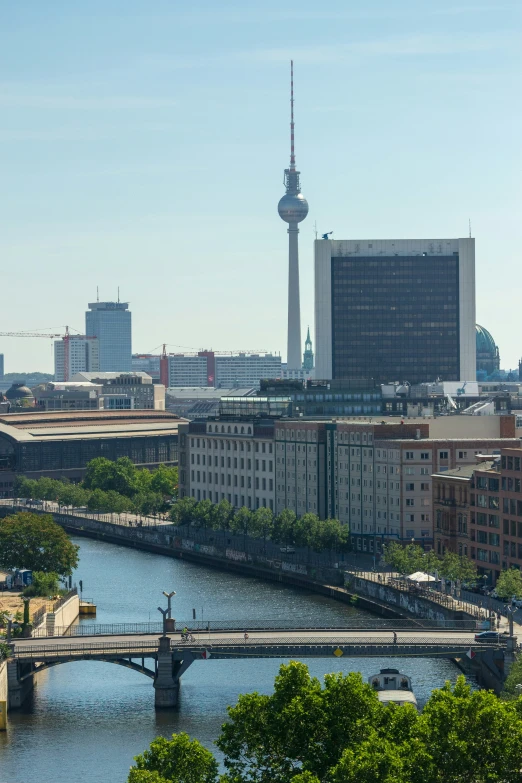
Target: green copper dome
{"type": "Point", "coordinates": [485, 342]}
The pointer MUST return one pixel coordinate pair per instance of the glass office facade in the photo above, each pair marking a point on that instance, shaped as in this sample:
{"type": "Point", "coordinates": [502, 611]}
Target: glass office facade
{"type": "Point", "coordinates": [110, 322]}
{"type": "Point", "coordinates": [395, 318]}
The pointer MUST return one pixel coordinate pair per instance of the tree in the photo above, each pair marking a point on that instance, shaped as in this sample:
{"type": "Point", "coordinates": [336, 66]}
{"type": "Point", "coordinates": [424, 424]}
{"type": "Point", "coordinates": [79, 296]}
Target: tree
{"type": "Point", "coordinates": [471, 736]}
{"type": "Point", "coordinates": [509, 584]}
{"type": "Point", "coordinates": [36, 542]}
{"type": "Point", "coordinates": [341, 733]}
{"type": "Point", "coordinates": [455, 567]}
{"type": "Point", "coordinates": [241, 522]}
{"type": "Point", "coordinates": [24, 487]}
{"type": "Point", "coordinates": [182, 512]}
{"type": "Point", "coordinates": [300, 728]}
{"type": "Point", "coordinates": [72, 495]}
{"type": "Point", "coordinates": [97, 501]}
{"type": "Point", "coordinates": [306, 531]}
{"type": "Point", "coordinates": [165, 481]}
{"type": "Point", "coordinates": [202, 513]}
{"type": "Point", "coordinates": [43, 584]}
{"type": "Point", "coordinates": [284, 529]}
{"type": "Point", "coordinates": [262, 524]}
{"type": "Point", "coordinates": [331, 535]}
{"type": "Point", "coordinates": [178, 760]}
{"type": "Point", "coordinates": [221, 516]}
{"type": "Point", "coordinates": [120, 476]}
{"type": "Point", "coordinates": [404, 559]}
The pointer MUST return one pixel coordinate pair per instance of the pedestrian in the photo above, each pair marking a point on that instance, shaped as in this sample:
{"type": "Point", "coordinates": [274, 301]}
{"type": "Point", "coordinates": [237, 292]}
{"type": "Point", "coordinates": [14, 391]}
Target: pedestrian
{"type": "Point", "coordinates": [246, 636]}
{"type": "Point", "coordinates": [394, 638]}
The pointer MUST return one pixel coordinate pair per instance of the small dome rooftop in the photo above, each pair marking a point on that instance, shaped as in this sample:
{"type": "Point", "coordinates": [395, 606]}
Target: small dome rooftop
{"type": "Point", "coordinates": [19, 391]}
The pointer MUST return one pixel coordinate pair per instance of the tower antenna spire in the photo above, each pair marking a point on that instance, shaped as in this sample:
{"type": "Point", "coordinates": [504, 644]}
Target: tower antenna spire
{"type": "Point", "coordinates": [292, 125]}
{"type": "Point", "coordinates": [293, 208]}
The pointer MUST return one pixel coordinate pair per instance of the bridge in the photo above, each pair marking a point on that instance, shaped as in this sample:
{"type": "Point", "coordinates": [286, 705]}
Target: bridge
{"type": "Point", "coordinates": [169, 655]}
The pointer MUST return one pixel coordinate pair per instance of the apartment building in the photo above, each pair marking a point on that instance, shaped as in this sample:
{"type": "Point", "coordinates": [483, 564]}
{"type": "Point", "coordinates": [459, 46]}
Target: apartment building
{"type": "Point", "coordinates": [301, 468]}
{"type": "Point", "coordinates": [232, 460]}
{"type": "Point", "coordinates": [451, 492]}
{"type": "Point", "coordinates": [479, 513]}
{"type": "Point", "coordinates": [375, 477]}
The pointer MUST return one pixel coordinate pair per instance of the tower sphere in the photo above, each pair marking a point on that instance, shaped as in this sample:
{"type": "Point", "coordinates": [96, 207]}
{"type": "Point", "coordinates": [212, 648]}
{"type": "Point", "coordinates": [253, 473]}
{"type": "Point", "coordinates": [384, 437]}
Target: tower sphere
{"type": "Point", "coordinates": [293, 207]}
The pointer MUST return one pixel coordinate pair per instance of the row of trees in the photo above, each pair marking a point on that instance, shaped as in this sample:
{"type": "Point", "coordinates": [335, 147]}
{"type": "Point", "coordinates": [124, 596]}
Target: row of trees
{"type": "Point", "coordinates": [341, 733]}
{"type": "Point", "coordinates": [109, 487]}
{"type": "Point", "coordinates": [411, 558]}
{"type": "Point", "coordinates": [285, 528]}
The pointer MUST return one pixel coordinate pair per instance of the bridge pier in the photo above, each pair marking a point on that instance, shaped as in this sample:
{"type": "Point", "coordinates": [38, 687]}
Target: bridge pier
{"type": "Point", "coordinates": [18, 689]}
{"type": "Point", "coordinates": [168, 674]}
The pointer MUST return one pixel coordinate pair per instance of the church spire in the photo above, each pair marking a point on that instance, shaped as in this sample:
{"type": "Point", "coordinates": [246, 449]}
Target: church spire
{"type": "Point", "coordinates": [308, 356]}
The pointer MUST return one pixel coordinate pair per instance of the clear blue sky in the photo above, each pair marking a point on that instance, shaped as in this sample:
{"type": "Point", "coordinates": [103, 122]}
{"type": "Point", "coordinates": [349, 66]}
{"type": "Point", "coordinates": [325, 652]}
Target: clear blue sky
{"type": "Point", "coordinates": [143, 145]}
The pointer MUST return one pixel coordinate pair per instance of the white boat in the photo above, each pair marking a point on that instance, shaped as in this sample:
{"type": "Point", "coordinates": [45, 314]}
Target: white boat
{"type": "Point", "coordinates": [392, 686]}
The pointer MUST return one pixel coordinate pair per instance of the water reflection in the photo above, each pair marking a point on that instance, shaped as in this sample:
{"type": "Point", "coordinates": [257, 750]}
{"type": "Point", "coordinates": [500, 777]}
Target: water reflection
{"type": "Point", "coordinates": [87, 720]}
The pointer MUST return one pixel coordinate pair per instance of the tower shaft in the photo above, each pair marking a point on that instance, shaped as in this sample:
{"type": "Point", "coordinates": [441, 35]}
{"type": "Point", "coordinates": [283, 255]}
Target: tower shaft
{"type": "Point", "coordinates": [293, 353]}
{"type": "Point", "coordinates": [293, 208]}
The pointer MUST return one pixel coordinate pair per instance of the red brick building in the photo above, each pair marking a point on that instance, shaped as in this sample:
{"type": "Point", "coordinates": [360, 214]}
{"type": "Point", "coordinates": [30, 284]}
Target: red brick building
{"type": "Point", "coordinates": [478, 513]}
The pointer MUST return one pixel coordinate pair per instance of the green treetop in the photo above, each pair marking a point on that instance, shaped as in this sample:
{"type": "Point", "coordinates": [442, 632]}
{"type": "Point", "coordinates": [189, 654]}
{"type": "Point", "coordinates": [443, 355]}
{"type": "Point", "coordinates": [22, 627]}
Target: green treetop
{"type": "Point", "coordinates": [509, 584]}
{"type": "Point", "coordinates": [36, 542]}
{"type": "Point", "coordinates": [339, 732]}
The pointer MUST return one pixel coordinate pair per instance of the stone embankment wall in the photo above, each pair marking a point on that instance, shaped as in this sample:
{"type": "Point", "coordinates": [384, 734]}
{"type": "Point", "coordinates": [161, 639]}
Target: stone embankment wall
{"type": "Point", "coordinates": [64, 616]}
{"type": "Point", "coordinates": [326, 581]}
{"type": "Point", "coordinates": [3, 680]}
{"type": "Point", "coordinates": [405, 603]}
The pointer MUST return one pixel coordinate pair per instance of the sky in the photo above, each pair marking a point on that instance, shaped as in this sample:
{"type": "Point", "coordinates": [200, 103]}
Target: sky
{"type": "Point", "coordinates": [143, 144]}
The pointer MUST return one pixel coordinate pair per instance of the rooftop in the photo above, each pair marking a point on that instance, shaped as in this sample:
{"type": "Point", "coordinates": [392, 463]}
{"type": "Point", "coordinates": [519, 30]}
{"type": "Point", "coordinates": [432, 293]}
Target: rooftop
{"type": "Point", "coordinates": [109, 376]}
{"type": "Point", "coordinates": [466, 471]}
{"type": "Point", "coordinates": [208, 392]}
{"type": "Point", "coordinates": [76, 425]}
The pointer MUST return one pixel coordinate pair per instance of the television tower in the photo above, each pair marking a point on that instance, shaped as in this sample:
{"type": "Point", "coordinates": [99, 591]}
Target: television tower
{"type": "Point", "coordinates": [293, 208]}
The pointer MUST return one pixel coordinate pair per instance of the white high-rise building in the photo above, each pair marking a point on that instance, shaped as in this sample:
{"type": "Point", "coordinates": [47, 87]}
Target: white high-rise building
{"type": "Point", "coordinates": [111, 323]}
{"type": "Point", "coordinates": [149, 363]}
{"type": "Point", "coordinates": [84, 356]}
{"type": "Point", "coordinates": [395, 309]}
{"type": "Point", "coordinates": [228, 371]}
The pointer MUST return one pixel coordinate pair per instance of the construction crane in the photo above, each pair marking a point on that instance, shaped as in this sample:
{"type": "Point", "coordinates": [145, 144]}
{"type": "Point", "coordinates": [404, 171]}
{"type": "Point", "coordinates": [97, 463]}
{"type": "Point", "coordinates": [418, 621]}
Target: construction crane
{"type": "Point", "coordinates": [65, 337]}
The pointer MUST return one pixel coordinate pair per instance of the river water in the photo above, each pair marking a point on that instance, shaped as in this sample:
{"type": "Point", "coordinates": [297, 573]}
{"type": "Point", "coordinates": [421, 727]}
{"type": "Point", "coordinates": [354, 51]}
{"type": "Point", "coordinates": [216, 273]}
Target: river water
{"type": "Point", "coordinates": [85, 721]}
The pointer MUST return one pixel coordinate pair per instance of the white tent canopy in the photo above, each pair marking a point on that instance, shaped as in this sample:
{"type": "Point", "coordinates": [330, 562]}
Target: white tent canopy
{"type": "Point", "coordinates": [420, 576]}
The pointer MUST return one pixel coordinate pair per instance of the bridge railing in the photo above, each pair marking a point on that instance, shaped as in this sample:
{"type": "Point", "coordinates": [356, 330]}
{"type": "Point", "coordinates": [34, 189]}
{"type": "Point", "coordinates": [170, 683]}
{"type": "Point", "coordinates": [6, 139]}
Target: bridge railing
{"type": "Point", "coordinates": [110, 629]}
{"type": "Point", "coordinates": [138, 649]}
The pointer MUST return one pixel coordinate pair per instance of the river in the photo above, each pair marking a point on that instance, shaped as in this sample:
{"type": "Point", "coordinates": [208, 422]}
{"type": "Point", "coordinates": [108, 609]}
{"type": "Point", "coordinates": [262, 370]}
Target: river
{"type": "Point", "coordinates": [85, 721]}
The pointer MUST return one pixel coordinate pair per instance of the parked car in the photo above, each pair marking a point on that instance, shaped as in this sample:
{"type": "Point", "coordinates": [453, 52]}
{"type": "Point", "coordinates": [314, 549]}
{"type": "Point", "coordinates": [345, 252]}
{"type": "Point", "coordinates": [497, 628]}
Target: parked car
{"type": "Point", "coordinates": [488, 636]}
{"type": "Point", "coordinates": [35, 502]}
{"type": "Point", "coordinates": [287, 550]}
{"type": "Point", "coordinates": [516, 602]}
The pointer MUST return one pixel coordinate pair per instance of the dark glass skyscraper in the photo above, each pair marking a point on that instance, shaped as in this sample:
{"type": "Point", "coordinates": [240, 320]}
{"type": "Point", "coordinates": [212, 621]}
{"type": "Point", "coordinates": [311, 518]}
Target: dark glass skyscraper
{"type": "Point", "coordinates": [395, 310]}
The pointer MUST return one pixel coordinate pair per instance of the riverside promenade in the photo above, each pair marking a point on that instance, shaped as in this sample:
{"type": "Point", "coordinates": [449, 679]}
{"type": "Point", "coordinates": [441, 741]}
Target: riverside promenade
{"type": "Point", "coordinates": [329, 573]}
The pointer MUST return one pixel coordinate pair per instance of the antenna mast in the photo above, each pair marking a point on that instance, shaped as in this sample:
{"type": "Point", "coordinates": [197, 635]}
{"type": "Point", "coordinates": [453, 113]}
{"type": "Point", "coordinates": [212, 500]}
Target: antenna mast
{"type": "Point", "coordinates": [292, 151]}
{"type": "Point", "coordinates": [469, 222]}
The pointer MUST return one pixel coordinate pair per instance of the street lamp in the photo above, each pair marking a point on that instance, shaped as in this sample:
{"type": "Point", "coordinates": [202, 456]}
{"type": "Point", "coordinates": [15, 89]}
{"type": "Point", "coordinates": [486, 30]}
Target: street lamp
{"type": "Point", "coordinates": [169, 597]}
{"type": "Point", "coordinates": [166, 613]}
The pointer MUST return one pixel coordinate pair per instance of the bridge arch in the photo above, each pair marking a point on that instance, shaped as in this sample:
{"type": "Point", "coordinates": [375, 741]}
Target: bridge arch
{"type": "Point", "coordinates": [127, 662]}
